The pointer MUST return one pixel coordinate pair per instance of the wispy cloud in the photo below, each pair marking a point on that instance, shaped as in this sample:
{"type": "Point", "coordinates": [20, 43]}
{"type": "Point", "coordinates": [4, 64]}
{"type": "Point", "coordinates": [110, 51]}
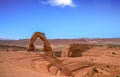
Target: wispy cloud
{"type": "Point", "coordinates": [61, 3]}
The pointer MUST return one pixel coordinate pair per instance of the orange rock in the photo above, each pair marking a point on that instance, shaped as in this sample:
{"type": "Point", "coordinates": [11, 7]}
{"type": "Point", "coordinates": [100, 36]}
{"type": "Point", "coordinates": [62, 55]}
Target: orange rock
{"type": "Point", "coordinates": [75, 50]}
{"type": "Point", "coordinates": [41, 35]}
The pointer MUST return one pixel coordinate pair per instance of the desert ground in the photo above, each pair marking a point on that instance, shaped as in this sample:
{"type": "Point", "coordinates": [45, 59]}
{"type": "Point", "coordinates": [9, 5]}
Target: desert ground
{"type": "Point", "coordinates": [101, 60]}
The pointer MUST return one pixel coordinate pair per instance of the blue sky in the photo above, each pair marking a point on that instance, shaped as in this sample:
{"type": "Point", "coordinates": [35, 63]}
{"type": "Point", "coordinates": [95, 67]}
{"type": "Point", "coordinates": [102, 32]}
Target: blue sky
{"type": "Point", "coordinates": [60, 18]}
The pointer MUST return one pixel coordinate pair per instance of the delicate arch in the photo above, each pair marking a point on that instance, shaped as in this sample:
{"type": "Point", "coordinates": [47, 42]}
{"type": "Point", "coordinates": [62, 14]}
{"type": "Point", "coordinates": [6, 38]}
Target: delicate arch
{"type": "Point", "coordinates": [41, 35]}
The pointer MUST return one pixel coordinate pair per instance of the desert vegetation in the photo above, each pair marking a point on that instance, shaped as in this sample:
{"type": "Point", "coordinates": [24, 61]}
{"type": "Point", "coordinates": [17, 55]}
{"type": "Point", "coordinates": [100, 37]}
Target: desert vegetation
{"type": "Point", "coordinates": [11, 48]}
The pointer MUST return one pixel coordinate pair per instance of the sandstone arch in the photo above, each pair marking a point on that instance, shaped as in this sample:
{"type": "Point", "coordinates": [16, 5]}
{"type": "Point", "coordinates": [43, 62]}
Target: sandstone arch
{"type": "Point", "coordinates": [46, 43]}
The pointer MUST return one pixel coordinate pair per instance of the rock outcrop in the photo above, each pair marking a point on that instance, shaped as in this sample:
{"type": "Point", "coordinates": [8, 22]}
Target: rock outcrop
{"type": "Point", "coordinates": [41, 35]}
{"type": "Point", "coordinates": [75, 50]}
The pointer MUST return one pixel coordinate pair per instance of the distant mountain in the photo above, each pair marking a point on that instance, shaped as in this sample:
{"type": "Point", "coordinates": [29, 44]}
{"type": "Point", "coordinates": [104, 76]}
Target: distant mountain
{"type": "Point", "coordinates": [25, 42]}
{"type": "Point", "coordinates": [5, 39]}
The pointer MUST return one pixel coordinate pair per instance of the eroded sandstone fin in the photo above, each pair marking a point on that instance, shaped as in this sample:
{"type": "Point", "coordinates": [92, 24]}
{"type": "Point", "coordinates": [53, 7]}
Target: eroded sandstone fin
{"type": "Point", "coordinates": [75, 50]}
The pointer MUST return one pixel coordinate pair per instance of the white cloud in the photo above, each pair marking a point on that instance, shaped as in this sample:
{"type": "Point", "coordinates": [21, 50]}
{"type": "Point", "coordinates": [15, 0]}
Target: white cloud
{"type": "Point", "coordinates": [61, 3]}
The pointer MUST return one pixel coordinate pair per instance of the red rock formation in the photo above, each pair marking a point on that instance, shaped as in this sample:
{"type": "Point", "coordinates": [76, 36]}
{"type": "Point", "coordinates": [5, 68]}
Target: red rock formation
{"type": "Point", "coordinates": [41, 35]}
{"type": "Point", "coordinates": [75, 50]}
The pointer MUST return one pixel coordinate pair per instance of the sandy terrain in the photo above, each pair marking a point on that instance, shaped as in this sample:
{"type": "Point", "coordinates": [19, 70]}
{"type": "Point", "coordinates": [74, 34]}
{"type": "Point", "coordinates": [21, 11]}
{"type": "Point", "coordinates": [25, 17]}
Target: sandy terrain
{"type": "Point", "coordinates": [96, 62]}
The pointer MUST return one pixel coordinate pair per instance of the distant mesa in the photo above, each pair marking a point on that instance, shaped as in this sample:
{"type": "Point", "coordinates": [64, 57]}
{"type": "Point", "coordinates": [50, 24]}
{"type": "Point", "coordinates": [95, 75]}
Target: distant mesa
{"type": "Point", "coordinates": [5, 39]}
